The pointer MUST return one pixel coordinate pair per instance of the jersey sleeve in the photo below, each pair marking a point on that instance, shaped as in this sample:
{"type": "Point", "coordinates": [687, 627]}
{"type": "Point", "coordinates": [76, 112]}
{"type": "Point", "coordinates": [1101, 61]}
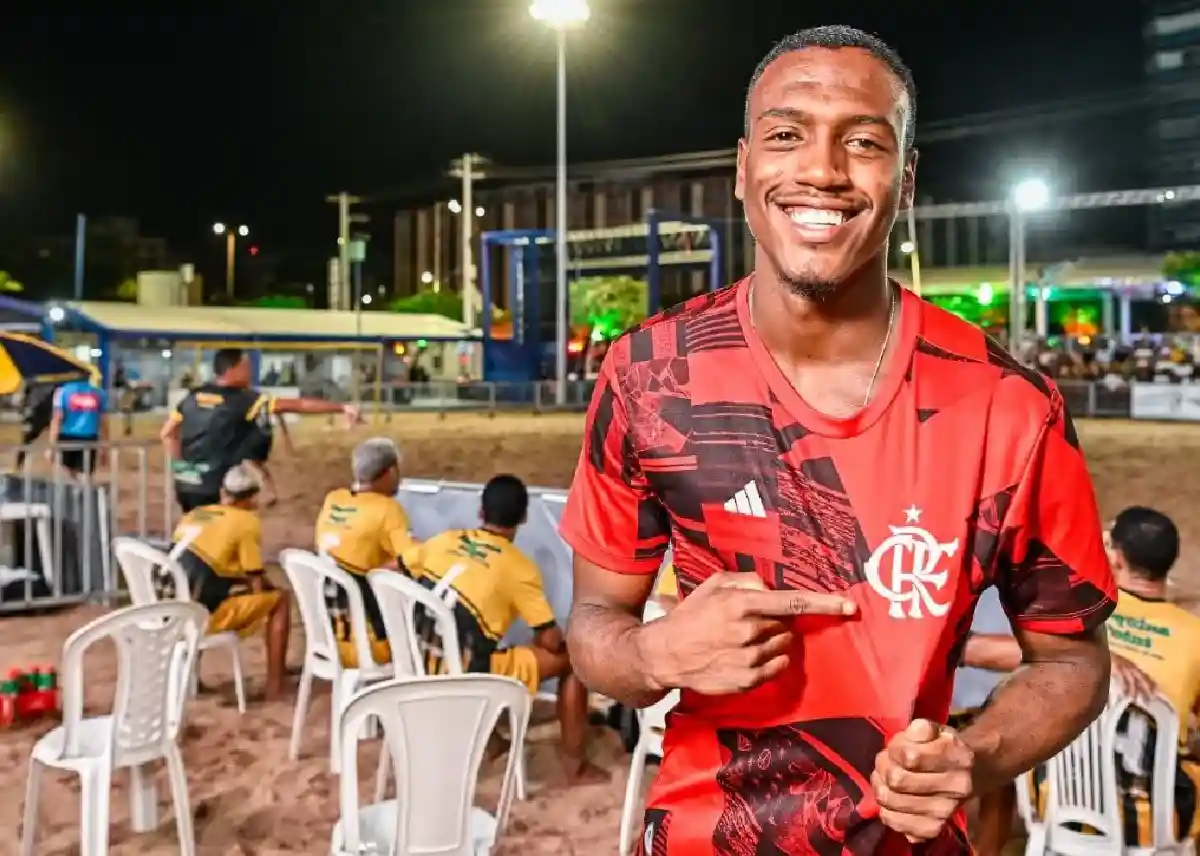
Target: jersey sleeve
{"type": "Point", "coordinates": [612, 517]}
{"type": "Point", "coordinates": [250, 547]}
{"type": "Point", "coordinates": [528, 595]}
{"type": "Point", "coordinates": [1053, 574]}
{"type": "Point", "coordinates": [262, 405]}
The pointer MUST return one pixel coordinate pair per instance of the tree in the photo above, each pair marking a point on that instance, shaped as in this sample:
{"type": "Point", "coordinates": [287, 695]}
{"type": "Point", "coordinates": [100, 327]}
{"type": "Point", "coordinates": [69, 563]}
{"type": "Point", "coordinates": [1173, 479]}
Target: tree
{"type": "Point", "coordinates": [609, 305]}
{"type": "Point", "coordinates": [128, 289]}
{"type": "Point", "coordinates": [445, 303]}
{"type": "Point", "coordinates": [8, 285]}
{"type": "Point", "coordinates": [1182, 267]}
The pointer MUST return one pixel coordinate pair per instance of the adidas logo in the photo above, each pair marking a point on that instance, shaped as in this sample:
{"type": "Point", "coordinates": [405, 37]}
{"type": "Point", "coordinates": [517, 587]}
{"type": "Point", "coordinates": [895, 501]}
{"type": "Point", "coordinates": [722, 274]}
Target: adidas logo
{"type": "Point", "coordinates": [747, 501]}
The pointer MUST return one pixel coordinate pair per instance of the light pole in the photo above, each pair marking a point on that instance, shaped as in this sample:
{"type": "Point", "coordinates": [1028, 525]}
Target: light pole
{"type": "Point", "coordinates": [560, 15]}
{"type": "Point", "coordinates": [231, 236]}
{"type": "Point", "coordinates": [1028, 196]}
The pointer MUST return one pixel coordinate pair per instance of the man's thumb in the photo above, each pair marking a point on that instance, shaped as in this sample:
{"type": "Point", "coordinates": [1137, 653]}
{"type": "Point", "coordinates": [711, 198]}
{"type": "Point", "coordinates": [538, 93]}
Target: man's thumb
{"type": "Point", "coordinates": [922, 731]}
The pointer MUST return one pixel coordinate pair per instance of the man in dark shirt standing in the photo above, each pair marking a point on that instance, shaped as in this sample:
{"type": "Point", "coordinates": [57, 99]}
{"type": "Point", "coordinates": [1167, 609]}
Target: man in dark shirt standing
{"type": "Point", "coordinates": [224, 422]}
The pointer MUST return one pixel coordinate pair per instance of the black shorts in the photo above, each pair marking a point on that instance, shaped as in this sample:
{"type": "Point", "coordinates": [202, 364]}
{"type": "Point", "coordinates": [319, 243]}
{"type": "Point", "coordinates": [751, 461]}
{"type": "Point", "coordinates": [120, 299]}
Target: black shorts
{"type": "Point", "coordinates": [78, 460]}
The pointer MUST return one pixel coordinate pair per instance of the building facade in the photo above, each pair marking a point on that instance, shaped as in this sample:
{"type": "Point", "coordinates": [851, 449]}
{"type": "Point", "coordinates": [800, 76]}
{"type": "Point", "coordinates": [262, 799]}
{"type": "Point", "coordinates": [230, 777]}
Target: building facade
{"type": "Point", "coordinates": [1172, 40]}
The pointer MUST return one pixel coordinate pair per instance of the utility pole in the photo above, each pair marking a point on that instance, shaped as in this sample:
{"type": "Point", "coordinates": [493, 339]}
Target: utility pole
{"type": "Point", "coordinates": [343, 201]}
{"type": "Point", "coordinates": [469, 168]}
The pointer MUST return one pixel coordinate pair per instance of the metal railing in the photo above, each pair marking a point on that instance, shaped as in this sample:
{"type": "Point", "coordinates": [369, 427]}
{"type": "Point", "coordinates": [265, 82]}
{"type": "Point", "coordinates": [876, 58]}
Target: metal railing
{"type": "Point", "coordinates": [56, 526]}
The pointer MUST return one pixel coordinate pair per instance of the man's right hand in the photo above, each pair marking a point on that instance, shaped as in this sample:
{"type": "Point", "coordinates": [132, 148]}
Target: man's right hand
{"type": "Point", "coordinates": [352, 414]}
{"type": "Point", "coordinates": [730, 635]}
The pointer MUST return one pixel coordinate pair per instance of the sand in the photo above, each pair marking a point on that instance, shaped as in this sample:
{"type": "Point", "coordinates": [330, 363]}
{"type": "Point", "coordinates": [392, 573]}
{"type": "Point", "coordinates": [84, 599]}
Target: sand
{"type": "Point", "coordinates": [249, 799]}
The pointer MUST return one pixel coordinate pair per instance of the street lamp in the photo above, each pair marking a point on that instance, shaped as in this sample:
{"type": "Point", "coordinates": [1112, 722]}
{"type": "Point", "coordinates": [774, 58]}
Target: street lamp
{"type": "Point", "coordinates": [560, 15]}
{"type": "Point", "coordinates": [1028, 196]}
{"type": "Point", "coordinates": [907, 247]}
{"type": "Point", "coordinates": [231, 236]}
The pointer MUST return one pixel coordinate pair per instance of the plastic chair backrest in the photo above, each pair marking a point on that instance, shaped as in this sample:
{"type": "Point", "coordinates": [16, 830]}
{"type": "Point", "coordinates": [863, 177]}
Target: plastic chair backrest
{"type": "Point", "coordinates": [313, 577]}
{"type": "Point", "coordinates": [400, 597]}
{"type": "Point", "coordinates": [144, 566]}
{"type": "Point", "coordinates": [1083, 788]}
{"type": "Point", "coordinates": [156, 647]}
{"type": "Point", "coordinates": [436, 730]}
{"type": "Point", "coordinates": [1135, 719]}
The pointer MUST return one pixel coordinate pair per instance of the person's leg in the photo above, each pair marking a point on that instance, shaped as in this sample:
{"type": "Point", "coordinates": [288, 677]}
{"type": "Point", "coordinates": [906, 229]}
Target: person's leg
{"type": "Point", "coordinates": [534, 665]}
{"type": "Point", "coordinates": [279, 628]}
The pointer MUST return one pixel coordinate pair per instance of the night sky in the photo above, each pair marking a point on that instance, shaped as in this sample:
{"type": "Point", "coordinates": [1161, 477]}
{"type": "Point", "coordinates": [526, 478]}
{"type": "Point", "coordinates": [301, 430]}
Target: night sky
{"type": "Point", "coordinates": [180, 114]}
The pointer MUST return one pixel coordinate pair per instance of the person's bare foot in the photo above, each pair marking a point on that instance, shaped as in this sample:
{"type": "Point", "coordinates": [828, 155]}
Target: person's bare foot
{"type": "Point", "coordinates": [584, 772]}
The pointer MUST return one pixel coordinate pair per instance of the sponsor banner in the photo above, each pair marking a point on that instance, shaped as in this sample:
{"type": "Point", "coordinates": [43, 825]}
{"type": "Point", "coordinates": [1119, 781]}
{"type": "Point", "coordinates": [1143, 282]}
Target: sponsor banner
{"type": "Point", "coordinates": [1175, 401]}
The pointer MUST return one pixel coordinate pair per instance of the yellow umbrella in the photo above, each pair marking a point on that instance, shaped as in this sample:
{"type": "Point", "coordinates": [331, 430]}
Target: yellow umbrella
{"type": "Point", "coordinates": [26, 360]}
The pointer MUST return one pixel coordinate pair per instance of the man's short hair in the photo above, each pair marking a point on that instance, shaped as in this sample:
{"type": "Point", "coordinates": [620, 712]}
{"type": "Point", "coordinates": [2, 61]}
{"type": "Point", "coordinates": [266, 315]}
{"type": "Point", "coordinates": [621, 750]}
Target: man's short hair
{"type": "Point", "coordinates": [241, 482]}
{"type": "Point", "coordinates": [372, 458]}
{"type": "Point", "coordinates": [226, 359]}
{"type": "Point", "coordinates": [505, 502]}
{"type": "Point", "coordinates": [1148, 540]}
{"type": "Point", "coordinates": [836, 37]}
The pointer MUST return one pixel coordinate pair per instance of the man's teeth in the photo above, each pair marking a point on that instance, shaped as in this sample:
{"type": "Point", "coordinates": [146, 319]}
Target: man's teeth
{"type": "Point", "coordinates": [817, 217]}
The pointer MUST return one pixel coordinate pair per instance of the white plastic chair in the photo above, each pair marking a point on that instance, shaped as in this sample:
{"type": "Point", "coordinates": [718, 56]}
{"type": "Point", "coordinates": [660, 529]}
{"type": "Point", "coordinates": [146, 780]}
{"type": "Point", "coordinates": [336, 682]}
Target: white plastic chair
{"type": "Point", "coordinates": [1083, 790]}
{"type": "Point", "coordinates": [652, 724]}
{"type": "Point", "coordinates": [139, 562]}
{"type": "Point", "coordinates": [155, 646]}
{"type": "Point", "coordinates": [1035, 826]}
{"type": "Point", "coordinates": [399, 597]}
{"type": "Point", "coordinates": [309, 574]}
{"type": "Point", "coordinates": [436, 728]}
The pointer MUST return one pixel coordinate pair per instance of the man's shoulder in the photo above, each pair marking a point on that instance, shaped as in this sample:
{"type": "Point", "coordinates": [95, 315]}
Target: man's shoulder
{"type": "Point", "coordinates": [706, 322]}
{"type": "Point", "coordinates": [953, 352]}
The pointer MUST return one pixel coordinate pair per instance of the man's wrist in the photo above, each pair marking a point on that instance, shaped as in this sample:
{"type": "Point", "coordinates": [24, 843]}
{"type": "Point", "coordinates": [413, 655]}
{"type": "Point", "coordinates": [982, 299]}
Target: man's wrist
{"type": "Point", "coordinates": [651, 644]}
{"type": "Point", "coordinates": [985, 745]}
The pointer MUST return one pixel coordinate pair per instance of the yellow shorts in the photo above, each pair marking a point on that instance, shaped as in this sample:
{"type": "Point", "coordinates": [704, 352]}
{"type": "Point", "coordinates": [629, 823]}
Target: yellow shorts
{"type": "Point", "coordinates": [381, 651]}
{"type": "Point", "coordinates": [519, 663]}
{"type": "Point", "coordinates": [243, 614]}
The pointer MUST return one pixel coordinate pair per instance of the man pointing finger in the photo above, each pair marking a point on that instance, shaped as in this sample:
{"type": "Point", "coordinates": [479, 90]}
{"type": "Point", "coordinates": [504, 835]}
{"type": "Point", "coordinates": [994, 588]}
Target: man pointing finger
{"type": "Point", "coordinates": [822, 430]}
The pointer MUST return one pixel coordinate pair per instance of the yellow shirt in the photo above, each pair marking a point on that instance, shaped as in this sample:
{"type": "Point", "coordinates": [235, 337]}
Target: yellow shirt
{"type": "Point", "coordinates": [668, 584]}
{"type": "Point", "coordinates": [497, 584]}
{"type": "Point", "coordinates": [1163, 640]}
{"type": "Point", "coordinates": [372, 530]}
{"type": "Point", "coordinates": [227, 539]}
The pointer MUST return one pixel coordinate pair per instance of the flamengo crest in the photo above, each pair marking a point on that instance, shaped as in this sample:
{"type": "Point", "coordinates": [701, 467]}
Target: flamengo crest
{"type": "Point", "coordinates": [904, 569]}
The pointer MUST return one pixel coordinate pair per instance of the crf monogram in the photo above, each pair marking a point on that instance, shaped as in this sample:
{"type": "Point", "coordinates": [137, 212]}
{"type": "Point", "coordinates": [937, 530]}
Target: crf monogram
{"type": "Point", "coordinates": [904, 569]}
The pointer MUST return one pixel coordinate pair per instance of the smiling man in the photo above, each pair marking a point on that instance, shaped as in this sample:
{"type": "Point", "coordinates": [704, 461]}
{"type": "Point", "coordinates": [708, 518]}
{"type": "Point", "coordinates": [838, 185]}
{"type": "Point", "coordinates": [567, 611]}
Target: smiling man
{"type": "Point", "coordinates": [841, 469]}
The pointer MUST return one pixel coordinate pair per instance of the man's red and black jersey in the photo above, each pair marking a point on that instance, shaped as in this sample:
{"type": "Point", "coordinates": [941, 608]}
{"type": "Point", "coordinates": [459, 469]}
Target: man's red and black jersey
{"type": "Point", "coordinates": [963, 472]}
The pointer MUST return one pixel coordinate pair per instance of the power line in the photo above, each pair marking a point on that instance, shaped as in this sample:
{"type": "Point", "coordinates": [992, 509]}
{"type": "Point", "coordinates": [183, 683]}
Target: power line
{"type": "Point", "coordinates": [1005, 121]}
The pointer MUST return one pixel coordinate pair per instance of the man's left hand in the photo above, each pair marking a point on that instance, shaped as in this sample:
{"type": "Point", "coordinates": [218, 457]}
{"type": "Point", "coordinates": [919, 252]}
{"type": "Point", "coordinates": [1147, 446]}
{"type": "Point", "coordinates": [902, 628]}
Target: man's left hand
{"type": "Point", "coordinates": [921, 778]}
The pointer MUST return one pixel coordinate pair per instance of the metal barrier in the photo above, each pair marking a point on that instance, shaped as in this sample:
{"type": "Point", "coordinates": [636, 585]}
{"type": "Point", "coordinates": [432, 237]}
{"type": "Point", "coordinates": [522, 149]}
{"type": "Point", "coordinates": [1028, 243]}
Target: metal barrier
{"type": "Point", "coordinates": [1085, 399]}
{"type": "Point", "coordinates": [56, 528]}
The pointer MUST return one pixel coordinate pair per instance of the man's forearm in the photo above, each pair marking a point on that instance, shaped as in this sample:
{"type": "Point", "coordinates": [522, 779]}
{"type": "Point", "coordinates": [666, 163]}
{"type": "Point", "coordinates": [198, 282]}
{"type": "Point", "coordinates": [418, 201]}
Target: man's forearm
{"type": "Point", "coordinates": [609, 655]}
{"type": "Point", "coordinates": [308, 406]}
{"type": "Point", "coordinates": [1035, 713]}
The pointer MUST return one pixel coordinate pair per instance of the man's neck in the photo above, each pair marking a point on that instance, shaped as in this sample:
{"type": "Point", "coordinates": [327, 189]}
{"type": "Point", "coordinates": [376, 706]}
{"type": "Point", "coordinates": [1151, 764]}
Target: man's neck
{"type": "Point", "coordinates": [846, 325]}
{"type": "Point", "coordinates": [501, 531]}
{"type": "Point", "coordinates": [1144, 588]}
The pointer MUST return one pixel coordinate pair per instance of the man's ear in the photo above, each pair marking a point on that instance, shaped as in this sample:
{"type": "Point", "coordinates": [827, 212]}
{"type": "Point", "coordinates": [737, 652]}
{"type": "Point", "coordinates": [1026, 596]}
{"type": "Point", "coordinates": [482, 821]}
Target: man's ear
{"type": "Point", "coordinates": [739, 182]}
{"type": "Point", "coordinates": [908, 180]}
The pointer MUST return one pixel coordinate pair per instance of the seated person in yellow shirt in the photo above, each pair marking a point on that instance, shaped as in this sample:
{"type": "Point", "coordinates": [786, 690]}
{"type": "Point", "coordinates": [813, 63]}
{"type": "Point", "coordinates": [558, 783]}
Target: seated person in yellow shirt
{"type": "Point", "coordinates": [495, 583]}
{"type": "Point", "coordinates": [362, 529]}
{"type": "Point", "coordinates": [1155, 648]}
{"type": "Point", "coordinates": [1163, 641]}
{"type": "Point", "coordinates": [222, 556]}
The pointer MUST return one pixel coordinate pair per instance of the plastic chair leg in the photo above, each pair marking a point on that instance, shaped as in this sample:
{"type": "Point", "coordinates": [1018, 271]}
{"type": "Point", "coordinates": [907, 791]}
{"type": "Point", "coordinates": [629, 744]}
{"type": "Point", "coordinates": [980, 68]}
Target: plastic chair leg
{"type": "Point", "coordinates": [96, 793]}
{"type": "Point", "coordinates": [303, 697]}
{"type": "Point", "coordinates": [33, 791]}
{"type": "Point", "coordinates": [179, 798]}
{"type": "Point", "coordinates": [143, 800]}
{"type": "Point", "coordinates": [633, 797]}
{"type": "Point", "coordinates": [239, 683]}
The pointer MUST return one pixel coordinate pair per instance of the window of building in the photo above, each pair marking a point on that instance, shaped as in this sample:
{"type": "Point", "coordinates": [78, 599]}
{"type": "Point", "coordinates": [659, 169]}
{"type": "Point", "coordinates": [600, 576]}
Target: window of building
{"type": "Point", "coordinates": [1167, 60]}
